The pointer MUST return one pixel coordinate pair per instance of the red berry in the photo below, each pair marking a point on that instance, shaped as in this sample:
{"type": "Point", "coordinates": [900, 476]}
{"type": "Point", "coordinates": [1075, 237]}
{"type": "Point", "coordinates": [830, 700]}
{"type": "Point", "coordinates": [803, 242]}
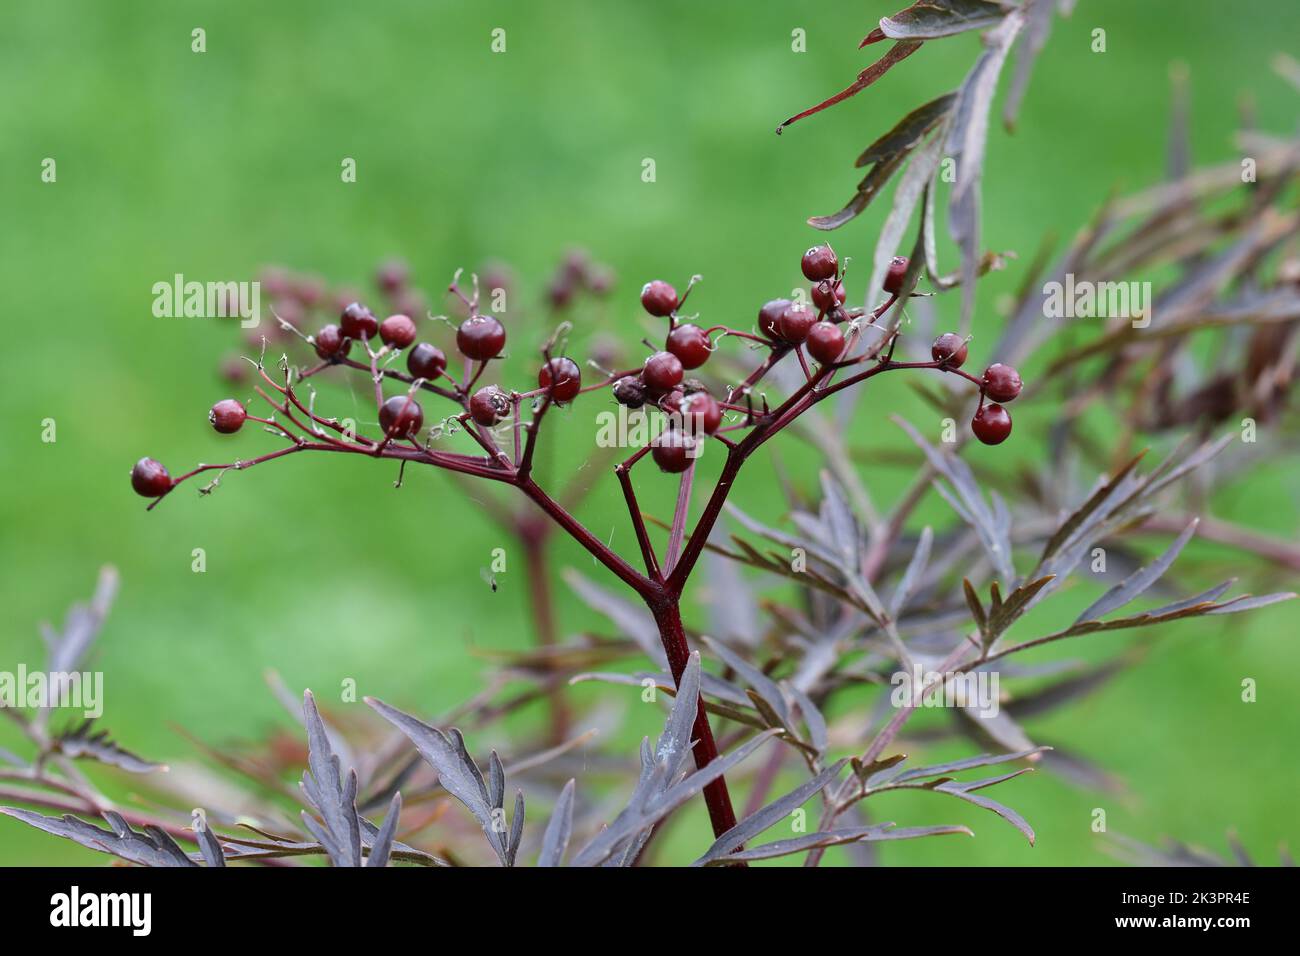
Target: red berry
{"type": "Point", "coordinates": [150, 479]}
{"type": "Point", "coordinates": [690, 345]}
{"type": "Point", "coordinates": [825, 342]}
{"type": "Point", "coordinates": [308, 290]}
{"type": "Point", "coordinates": [426, 361]}
{"type": "Point", "coordinates": [401, 417]}
{"type": "Point", "coordinates": [227, 416]}
{"type": "Point", "coordinates": [481, 337]}
{"type": "Point", "coordinates": [991, 424]}
{"type": "Point", "coordinates": [489, 405]}
{"type": "Point", "coordinates": [794, 324]}
{"type": "Point", "coordinates": [1001, 383]}
{"type": "Point", "coordinates": [819, 263]}
{"type": "Point", "coordinates": [662, 372]}
{"type": "Point", "coordinates": [392, 276]}
{"type": "Point", "coordinates": [673, 451]}
{"type": "Point", "coordinates": [894, 275]}
{"type": "Point", "coordinates": [397, 331]}
{"type": "Point", "coordinates": [629, 391]}
{"type": "Point", "coordinates": [566, 375]}
{"type": "Point", "coordinates": [702, 411]}
{"type": "Point", "coordinates": [358, 322]}
{"type": "Point", "coordinates": [949, 348]}
{"type": "Point", "coordinates": [769, 315]}
{"type": "Point", "coordinates": [826, 295]}
{"type": "Point", "coordinates": [330, 342]}
{"type": "Point", "coordinates": [659, 298]}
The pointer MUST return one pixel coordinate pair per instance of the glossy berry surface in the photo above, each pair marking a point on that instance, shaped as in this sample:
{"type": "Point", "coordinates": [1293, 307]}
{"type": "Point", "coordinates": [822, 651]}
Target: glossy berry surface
{"type": "Point", "coordinates": [794, 324]}
{"type": "Point", "coordinates": [702, 411]}
{"type": "Point", "coordinates": [662, 372]}
{"type": "Point", "coordinates": [227, 416]}
{"type": "Point", "coordinates": [770, 314]}
{"type": "Point", "coordinates": [397, 331]}
{"type": "Point", "coordinates": [480, 337]}
{"type": "Point", "coordinates": [1001, 382]}
{"type": "Point", "coordinates": [330, 342]}
{"type": "Point", "coordinates": [690, 345]}
{"type": "Point", "coordinates": [629, 391]}
{"type": "Point", "coordinates": [659, 298]}
{"type": "Point", "coordinates": [565, 375]}
{"type": "Point", "coordinates": [825, 342]}
{"type": "Point", "coordinates": [673, 452]}
{"type": "Point", "coordinates": [489, 405]}
{"type": "Point", "coordinates": [894, 275]}
{"type": "Point", "coordinates": [150, 479]}
{"type": "Point", "coordinates": [949, 348]}
{"type": "Point", "coordinates": [358, 322]}
{"type": "Point", "coordinates": [426, 361]}
{"type": "Point", "coordinates": [401, 417]}
{"type": "Point", "coordinates": [819, 263]}
{"type": "Point", "coordinates": [991, 424]}
{"type": "Point", "coordinates": [827, 294]}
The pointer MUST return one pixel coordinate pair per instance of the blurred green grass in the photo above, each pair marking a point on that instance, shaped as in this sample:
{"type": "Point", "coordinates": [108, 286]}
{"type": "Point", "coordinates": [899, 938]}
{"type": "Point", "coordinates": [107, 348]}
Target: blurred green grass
{"type": "Point", "coordinates": [213, 164]}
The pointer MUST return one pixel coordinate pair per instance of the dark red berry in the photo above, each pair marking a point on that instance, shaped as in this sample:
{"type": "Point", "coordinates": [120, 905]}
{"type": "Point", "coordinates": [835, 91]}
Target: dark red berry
{"type": "Point", "coordinates": [702, 412]}
{"type": "Point", "coordinates": [489, 405]}
{"type": "Point", "coordinates": [358, 322]}
{"type": "Point", "coordinates": [819, 263]}
{"type": "Point", "coordinates": [825, 342]}
{"type": "Point", "coordinates": [769, 315]}
{"type": "Point", "coordinates": [949, 348]}
{"type": "Point", "coordinates": [481, 337]}
{"type": "Point", "coordinates": [629, 391]}
{"type": "Point", "coordinates": [671, 401]}
{"type": "Point", "coordinates": [662, 372]}
{"type": "Point", "coordinates": [150, 479]}
{"type": "Point", "coordinates": [1001, 383]}
{"type": "Point", "coordinates": [401, 417]}
{"type": "Point", "coordinates": [826, 295]}
{"type": "Point", "coordinates": [426, 361]}
{"type": "Point", "coordinates": [397, 331]}
{"type": "Point", "coordinates": [894, 275]}
{"type": "Point", "coordinates": [566, 375]}
{"type": "Point", "coordinates": [227, 416]}
{"type": "Point", "coordinates": [659, 298]}
{"type": "Point", "coordinates": [690, 345]}
{"type": "Point", "coordinates": [392, 276]}
{"type": "Point", "coordinates": [673, 451]}
{"type": "Point", "coordinates": [330, 342]}
{"type": "Point", "coordinates": [991, 424]}
{"type": "Point", "coordinates": [794, 324]}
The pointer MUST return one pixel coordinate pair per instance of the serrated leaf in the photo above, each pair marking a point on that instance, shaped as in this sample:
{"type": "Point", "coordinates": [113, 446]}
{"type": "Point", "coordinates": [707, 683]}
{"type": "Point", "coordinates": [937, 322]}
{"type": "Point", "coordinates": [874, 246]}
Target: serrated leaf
{"type": "Point", "coordinates": [81, 742]}
{"type": "Point", "coordinates": [153, 847]}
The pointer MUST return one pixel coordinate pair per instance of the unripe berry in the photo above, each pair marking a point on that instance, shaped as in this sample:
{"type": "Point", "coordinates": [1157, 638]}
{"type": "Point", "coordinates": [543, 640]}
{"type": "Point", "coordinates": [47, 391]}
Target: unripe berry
{"type": "Point", "coordinates": [481, 337]}
{"type": "Point", "coordinates": [825, 342]}
{"type": "Point", "coordinates": [819, 263]}
{"type": "Point", "coordinates": [659, 298]}
{"type": "Point", "coordinates": [227, 416]}
{"type": "Point", "coordinates": [826, 295]}
{"type": "Point", "coordinates": [358, 322]}
{"type": "Point", "coordinates": [769, 315]}
{"type": "Point", "coordinates": [949, 348]}
{"type": "Point", "coordinates": [673, 452]}
{"type": "Point", "coordinates": [629, 391]}
{"type": "Point", "coordinates": [426, 361]}
{"type": "Point", "coordinates": [991, 424]}
{"type": "Point", "coordinates": [489, 405]}
{"type": "Point", "coordinates": [330, 342]}
{"type": "Point", "coordinates": [702, 413]}
{"type": "Point", "coordinates": [690, 345]}
{"type": "Point", "coordinates": [662, 372]}
{"type": "Point", "coordinates": [397, 331]}
{"type": "Point", "coordinates": [150, 479]}
{"type": "Point", "coordinates": [401, 417]}
{"type": "Point", "coordinates": [894, 275]}
{"type": "Point", "coordinates": [1001, 382]}
{"type": "Point", "coordinates": [566, 375]}
{"type": "Point", "coordinates": [794, 324]}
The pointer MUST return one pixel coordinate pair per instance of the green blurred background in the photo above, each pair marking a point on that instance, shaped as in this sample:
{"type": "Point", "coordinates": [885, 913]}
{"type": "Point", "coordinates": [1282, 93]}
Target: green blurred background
{"type": "Point", "coordinates": [214, 164]}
